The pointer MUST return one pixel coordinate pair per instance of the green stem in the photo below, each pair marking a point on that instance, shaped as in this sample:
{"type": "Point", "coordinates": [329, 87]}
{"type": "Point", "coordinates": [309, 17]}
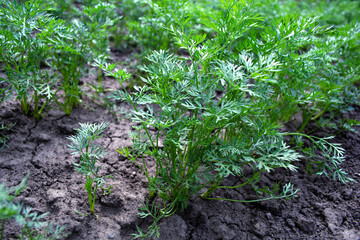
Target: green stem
{"type": "Point", "coordinates": [248, 201]}
{"type": "Point", "coordinates": [93, 199]}
{"type": "Point", "coordinates": [24, 105]}
{"type": "Point", "coordinates": [212, 188]}
{"type": "Point", "coordinates": [215, 185]}
{"type": "Point", "coordinates": [100, 79]}
{"type": "Point", "coordinates": [36, 113]}
{"type": "Point", "coordinates": [298, 134]}
{"type": "Point", "coordinates": [243, 184]}
{"type": "Point", "coordinates": [88, 187]}
{"type": "Point", "coordinates": [306, 120]}
{"type": "Point", "coordinates": [42, 108]}
{"type": "Point", "coordinates": [29, 233]}
{"type": "Point", "coordinates": [318, 115]}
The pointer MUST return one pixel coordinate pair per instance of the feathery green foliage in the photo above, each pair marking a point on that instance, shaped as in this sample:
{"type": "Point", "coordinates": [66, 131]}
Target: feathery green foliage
{"type": "Point", "coordinates": [223, 79]}
{"type": "Point", "coordinates": [78, 44]}
{"type": "Point", "coordinates": [37, 50]}
{"type": "Point", "coordinates": [217, 109]}
{"type": "Point", "coordinates": [23, 52]}
{"type": "Point", "coordinates": [83, 144]}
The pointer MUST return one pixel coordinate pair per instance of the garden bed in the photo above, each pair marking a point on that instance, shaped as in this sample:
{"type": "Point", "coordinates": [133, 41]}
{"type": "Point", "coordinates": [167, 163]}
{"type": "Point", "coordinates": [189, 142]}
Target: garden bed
{"type": "Point", "coordinates": [220, 119]}
{"type": "Point", "coordinates": [324, 209]}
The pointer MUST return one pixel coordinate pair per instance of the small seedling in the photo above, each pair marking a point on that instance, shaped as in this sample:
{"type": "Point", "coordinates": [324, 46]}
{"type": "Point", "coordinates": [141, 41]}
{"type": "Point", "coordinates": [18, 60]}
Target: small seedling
{"type": "Point", "coordinates": [33, 225]}
{"type": "Point", "coordinates": [90, 153]}
{"type": "Point", "coordinates": [3, 137]}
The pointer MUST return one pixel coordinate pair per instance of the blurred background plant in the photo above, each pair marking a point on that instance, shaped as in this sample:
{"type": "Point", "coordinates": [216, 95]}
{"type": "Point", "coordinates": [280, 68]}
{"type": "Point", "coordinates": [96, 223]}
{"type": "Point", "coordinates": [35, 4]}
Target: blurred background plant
{"type": "Point", "coordinates": [4, 128]}
{"type": "Point", "coordinates": [145, 22]}
{"type": "Point", "coordinates": [23, 53]}
{"type": "Point", "coordinates": [44, 57]}
{"type": "Point", "coordinates": [76, 46]}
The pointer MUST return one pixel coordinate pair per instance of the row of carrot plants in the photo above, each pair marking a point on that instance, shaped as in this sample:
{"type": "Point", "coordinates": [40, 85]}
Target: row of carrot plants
{"type": "Point", "coordinates": [44, 56]}
{"type": "Point", "coordinates": [219, 82]}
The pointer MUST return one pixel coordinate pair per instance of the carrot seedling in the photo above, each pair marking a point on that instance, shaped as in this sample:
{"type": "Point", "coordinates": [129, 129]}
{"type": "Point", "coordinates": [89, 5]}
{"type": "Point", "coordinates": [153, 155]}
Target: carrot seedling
{"type": "Point", "coordinates": [90, 153]}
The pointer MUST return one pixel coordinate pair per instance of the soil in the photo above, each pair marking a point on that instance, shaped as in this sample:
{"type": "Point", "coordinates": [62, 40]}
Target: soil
{"type": "Point", "coordinates": [324, 209]}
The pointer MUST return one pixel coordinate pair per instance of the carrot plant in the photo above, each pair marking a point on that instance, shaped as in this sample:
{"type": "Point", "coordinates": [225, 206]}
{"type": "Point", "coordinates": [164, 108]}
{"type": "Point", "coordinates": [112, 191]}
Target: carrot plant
{"type": "Point", "coordinates": [313, 78]}
{"type": "Point", "coordinates": [309, 83]}
{"type": "Point", "coordinates": [302, 81]}
{"type": "Point", "coordinates": [35, 47]}
{"type": "Point", "coordinates": [101, 18]}
{"type": "Point", "coordinates": [22, 53]}
{"type": "Point", "coordinates": [77, 44]}
{"type": "Point", "coordinates": [83, 144]}
{"type": "Point", "coordinates": [211, 113]}
{"type": "Point", "coordinates": [206, 137]}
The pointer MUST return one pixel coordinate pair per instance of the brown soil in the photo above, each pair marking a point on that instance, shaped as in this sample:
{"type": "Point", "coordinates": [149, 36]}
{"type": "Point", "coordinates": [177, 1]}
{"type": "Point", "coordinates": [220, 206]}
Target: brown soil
{"type": "Point", "coordinates": [325, 209]}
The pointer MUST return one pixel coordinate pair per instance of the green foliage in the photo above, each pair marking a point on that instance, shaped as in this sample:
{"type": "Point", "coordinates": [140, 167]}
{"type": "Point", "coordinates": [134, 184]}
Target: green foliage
{"type": "Point", "coordinates": [29, 43]}
{"type": "Point", "coordinates": [145, 21]}
{"type": "Point", "coordinates": [33, 225]}
{"type": "Point", "coordinates": [3, 137]}
{"type": "Point", "coordinates": [75, 46]}
{"type": "Point", "coordinates": [23, 53]}
{"type": "Point", "coordinates": [323, 156]}
{"type": "Point", "coordinates": [314, 78]}
{"type": "Point", "coordinates": [218, 109]}
{"type": "Point", "coordinates": [206, 137]}
{"type": "Point", "coordinates": [333, 12]}
{"type": "Point", "coordinates": [214, 107]}
{"type": "Point", "coordinates": [311, 78]}
{"type": "Point", "coordinates": [70, 9]}
{"type": "Point", "coordinates": [151, 210]}
{"type": "Point", "coordinates": [83, 144]}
